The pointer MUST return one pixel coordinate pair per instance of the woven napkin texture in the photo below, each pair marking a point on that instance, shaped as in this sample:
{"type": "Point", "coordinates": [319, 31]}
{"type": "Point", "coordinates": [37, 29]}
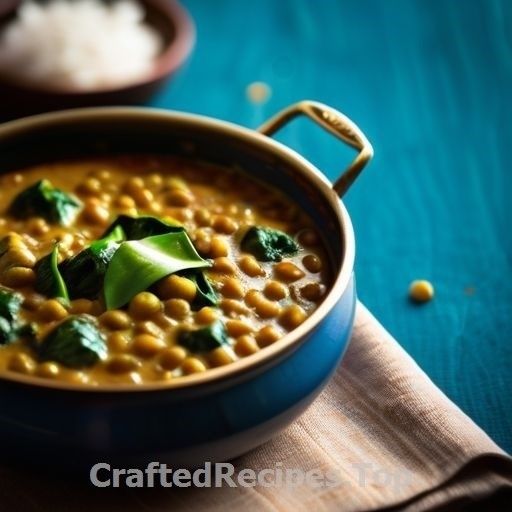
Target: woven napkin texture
{"type": "Point", "coordinates": [381, 427]}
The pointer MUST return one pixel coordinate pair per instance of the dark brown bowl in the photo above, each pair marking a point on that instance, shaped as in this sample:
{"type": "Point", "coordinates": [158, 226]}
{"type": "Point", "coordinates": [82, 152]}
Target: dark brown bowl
{"type": "Point", "coordinates": [19, 99]}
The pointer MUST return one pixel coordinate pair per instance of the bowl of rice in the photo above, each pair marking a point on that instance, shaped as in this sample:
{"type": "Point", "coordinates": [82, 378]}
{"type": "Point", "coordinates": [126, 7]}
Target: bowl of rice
{"type": "Point", "coordinates": [60, 54]}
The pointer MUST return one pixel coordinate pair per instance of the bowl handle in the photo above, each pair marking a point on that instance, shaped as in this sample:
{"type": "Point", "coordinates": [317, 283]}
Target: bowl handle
{"type": "Point", "coordinates": [334, 122]}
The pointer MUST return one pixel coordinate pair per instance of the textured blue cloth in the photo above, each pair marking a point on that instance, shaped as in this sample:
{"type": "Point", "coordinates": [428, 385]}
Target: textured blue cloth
{"type": "Point", "coordinates": [430, 84]}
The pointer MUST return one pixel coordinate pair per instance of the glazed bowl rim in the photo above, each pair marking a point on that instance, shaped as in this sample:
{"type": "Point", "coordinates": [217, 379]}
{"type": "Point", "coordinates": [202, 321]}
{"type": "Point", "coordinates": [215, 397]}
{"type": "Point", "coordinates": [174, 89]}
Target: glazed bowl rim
{"type": "Point", "coordinates": [270, 354]}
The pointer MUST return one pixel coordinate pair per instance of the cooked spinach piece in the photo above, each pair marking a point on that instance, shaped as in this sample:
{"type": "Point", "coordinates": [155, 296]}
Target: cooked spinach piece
{"type": "Point", "coordinates": [10, 328]}
{"type": "Point", "coordinates": [76, 343]}
{"type": "Point", "coordinates": [49, 280]}
{"type": "Point", "coordinates": [10, 304]}
{"type": "Point", "coordinates": [80, 276]}
{"type": "Point", "coordinates": [84, 273]}
{"type": "Point", "coordinates": [136, 228]}
{"type": "Point", "coordinates": [43, 200]}
{"type": "Point", "coordinates": [10, 332]}
{"type": "Point", "coordinates": [205, 293]}
{"type": "Point", "coordinates": [267, 244]}
{"type": "Point", "coordinates": [204, 338]}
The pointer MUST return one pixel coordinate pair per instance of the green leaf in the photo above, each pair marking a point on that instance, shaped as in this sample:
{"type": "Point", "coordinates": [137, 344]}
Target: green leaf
{"type": "Point", "coordinates": [204, 338]}
{"type": "Point", "coordinates": [136, 228]}
{"type": "Point", "coordinates": [80, 276]}
{"type": "Point", "coordinates": [138, 264]}
{"type": "Point", "coordinates": [10, 329]}
{"type": "Point", "coordinates": [76, 342]}
{"type": "Point", "coordinates": [49, 280]}
{"type": "Point", "coordinates": [43, 200]}
{"type": "Point", "coordinates": [267, 244]}
{"type": "Point", "coordinates": [10, 304]}
{"type": "Point", "coordinates": [84, 272]}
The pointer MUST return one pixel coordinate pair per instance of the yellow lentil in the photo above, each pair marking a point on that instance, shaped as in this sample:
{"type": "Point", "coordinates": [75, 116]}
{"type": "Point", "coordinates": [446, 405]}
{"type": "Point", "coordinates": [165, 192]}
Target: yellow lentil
{"type": "Point", "coordinates": [21, 363]}
{"type": "Point", "coordinates": [421, 290]}
{"type": "Point", "coordinates": [288, 271]}
{"type": "Point", "coordinates": [171, 357]}
{"type": "Point", "coordinates": [144, 305]}
{"type": "Point", "coordinates": [275, 290]}
{"type": "Point", "coordinates": [177, 308]}
{"type": "Point", "coordinates": [267, 335]}
{"type": "Point", "coordinates": [18, 277]}
{"type": "Point", "coordinates": [51, 310]}
{"type": "Point", "coordinates": [219, 357]}
{"type": "Point", "coordinates": [245, 345]}
{"type": "Point", "coordinates": [176, 287]}
{"type": "Point", "coordinates": [249, 265]}
{"type": "Point", "coordinates": [115, 319]}
{"type": "Point", "coordinates": [232, 288]}
{"type": "Point", "coordinates": [312, 263]}
{"type": "Point", "coordinates": [192, 365]}
{"type": "Point", "coordinates": [292, 316]}
{"type": "Point", "coordinates": [122, 363]}
{"type": "Point", "coordinates": [146, 345]}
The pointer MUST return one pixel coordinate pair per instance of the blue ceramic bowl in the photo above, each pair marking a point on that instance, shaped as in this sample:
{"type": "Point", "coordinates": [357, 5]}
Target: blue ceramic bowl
{"type": "Point", "coordinates": [223, 412]}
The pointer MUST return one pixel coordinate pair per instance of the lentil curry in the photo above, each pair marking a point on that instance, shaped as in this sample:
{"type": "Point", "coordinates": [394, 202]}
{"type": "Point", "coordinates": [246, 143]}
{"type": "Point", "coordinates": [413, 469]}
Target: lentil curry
{"type": "Point", "coordinates": [137, 269]}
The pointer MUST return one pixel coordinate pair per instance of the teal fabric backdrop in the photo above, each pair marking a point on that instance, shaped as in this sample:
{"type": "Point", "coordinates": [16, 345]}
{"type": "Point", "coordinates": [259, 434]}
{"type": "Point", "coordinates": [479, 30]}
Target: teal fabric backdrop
{"type": "Point", "coordinates": [430, 83]}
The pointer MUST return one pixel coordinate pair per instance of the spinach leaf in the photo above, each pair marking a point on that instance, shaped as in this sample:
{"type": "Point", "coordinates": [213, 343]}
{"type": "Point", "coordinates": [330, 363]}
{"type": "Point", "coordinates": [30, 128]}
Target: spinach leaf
{"type": "Point", "coordinates": [10, 328]}
{"type": "Point", "coordinates": [80, 276]}
{"type": "Point", "coordinates": [84, 272]}
{"type": "Point", "coordinates": [49, 280]}
{"type": "Point", "coordinates": [137, 264]}
{"type": "Point", "coordinates": [267, 244]}
{"type": "Point", "coordinates": [76, 343]}
{"type": "Point", "coordinates": [43, 200]}
{"type": "Point", "coordinates": [10, 304]}
{"type": "Point", "coordinates": [136, 228]}
{"type": "Point", "coordinates": [204, 338]}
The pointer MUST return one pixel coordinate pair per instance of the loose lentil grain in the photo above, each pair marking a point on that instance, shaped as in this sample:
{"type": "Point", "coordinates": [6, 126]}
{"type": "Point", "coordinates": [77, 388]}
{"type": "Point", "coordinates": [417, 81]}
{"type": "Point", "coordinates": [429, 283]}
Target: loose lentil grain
{"type": "Point", "coordinates": [421, 290]}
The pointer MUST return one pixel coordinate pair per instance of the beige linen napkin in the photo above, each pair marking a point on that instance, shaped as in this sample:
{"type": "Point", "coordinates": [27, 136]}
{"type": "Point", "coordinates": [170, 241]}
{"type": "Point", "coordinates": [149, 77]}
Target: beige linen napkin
{"type": "Point", "coordinates": [381, 435]}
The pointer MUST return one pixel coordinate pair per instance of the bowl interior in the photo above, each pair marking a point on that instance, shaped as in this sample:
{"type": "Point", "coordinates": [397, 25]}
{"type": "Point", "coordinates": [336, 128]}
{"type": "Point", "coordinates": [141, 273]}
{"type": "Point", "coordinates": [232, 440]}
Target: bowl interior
{"type": "Point", "coordinates": [111, 131]}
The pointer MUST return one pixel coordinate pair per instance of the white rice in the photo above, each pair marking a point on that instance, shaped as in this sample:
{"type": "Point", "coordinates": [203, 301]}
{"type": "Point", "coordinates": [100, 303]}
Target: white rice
{"type": "Point", "coordinates": [79, 44]}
